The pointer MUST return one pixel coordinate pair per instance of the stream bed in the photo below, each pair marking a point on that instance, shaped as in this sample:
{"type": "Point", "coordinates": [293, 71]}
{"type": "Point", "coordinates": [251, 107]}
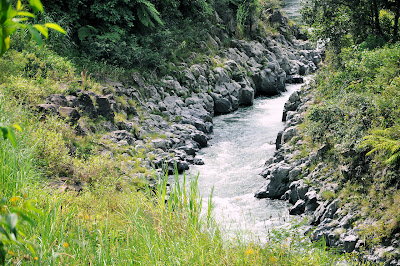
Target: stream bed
{"type": "Point", "coordinates": [241, 143]}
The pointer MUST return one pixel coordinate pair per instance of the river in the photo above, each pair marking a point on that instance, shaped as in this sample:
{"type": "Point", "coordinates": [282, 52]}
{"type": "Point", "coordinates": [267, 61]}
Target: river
{"type": "Point", "coordinates": [292, 9]}
{"type": "Point", "coordinates": [241, 143]}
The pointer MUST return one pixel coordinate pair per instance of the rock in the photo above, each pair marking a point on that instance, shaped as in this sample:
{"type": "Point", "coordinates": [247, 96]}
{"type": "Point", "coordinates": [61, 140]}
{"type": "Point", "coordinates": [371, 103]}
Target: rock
{"type": "Point", "coordinates": [86, 104]}
{"type": "Point", "coordinates": [246, 96]}
{"type": "Point", "coordinates": [162, 144]}
{"type": "Point", "coordinates": [221, 105]}
{"type": "Point", "coordinates": [295, 174]}
{"type": "Point", "coordinates": [221, 76]}
{"type": "Point", "coordinates": [349, 243]}
{"type": "Point", "coordinates": [266, 82]}
{"type": "Point", "coordinates": [298, 208]}
{"type": "Point", "coordinates": [71, 114]}
{"type": "Point", "coordinates": [123, 135]}
{"type": "Point", "coordinates": [289, 133]}
{"type": "Point", "coordinates": [331, 210]}
{"type": "Point", "coordinates": [278, 140]}
{"type": "Point", "coordinates": [198, 161]}
{"type": "Point", "coordinates": [294, 79]}
{"type": "Point", "coordinates": [298, 191]}
{"type": "Point", "coordinates": [311, 198]}
{"type": "Point", "coordinates": [200, 138]}
{"type": "Point", "coordinates": [277, 182]}
{"type": "Point", "coordinates": [57, 99]}
{"type": "Point", "coordinates": [104, 107]}
{"type": "Point", "coordinates": [47, 108]}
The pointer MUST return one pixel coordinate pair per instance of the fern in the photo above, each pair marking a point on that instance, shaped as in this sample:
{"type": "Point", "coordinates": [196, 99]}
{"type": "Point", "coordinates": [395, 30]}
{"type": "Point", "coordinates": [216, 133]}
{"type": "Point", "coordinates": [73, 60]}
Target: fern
{"type": "Point", "coordinates": [147, 13]}
{"type": "Point", "coordinates": [386, 140]}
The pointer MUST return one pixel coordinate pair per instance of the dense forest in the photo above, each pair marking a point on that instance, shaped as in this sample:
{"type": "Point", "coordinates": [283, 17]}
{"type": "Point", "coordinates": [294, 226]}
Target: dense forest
{"type": "Point", "coordinates": [101, 100]}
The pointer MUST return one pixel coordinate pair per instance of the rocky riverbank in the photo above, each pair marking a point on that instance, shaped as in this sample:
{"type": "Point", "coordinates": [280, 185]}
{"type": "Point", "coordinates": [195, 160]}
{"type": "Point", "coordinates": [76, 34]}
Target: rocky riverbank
{"type": "Point", "coordinates": [306, 182]}
{"type": "Point", "coordinates": [170, 120]}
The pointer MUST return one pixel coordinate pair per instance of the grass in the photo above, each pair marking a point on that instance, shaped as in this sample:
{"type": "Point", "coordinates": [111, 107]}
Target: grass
{"type": "Point", "coordinates": [116, 219]}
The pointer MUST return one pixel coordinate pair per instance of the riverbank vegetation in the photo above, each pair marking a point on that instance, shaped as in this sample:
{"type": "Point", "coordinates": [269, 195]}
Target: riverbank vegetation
{"type": "Point", "coordinates": [109, 221]}
{"type": "Point", "coordinates": [64, 198]}
{"type": "Point", "coordinates": [355, 115]}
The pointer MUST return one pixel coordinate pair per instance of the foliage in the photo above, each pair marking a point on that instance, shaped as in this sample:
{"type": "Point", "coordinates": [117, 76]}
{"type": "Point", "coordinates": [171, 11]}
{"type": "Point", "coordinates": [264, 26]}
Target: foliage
{"type": "Point", "coordinates": [387, 140]}
{"type": "Point", "coordinates": [356, 113]}
{"type": "Point", "coordinates": [343, 22]}
{"type": "Point", "coordinates": [13, 19]}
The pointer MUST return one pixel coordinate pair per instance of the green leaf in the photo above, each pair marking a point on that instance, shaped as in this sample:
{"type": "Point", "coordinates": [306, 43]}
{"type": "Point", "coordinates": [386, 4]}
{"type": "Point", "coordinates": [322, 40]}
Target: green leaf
{"type": "Point", "coordinates": [35, 35]}
{"type": "Point", "coordinates": [11, 136]}
{"type": "Point", "coordinates": [17, 127]}
{"type": "Point", "coordinates": [55, 27]}
{"type": "Point", "coordinates": [19, 5]}
{"type": "Point", "coordinates": [42, 30]}
{"type": "Point", "coordinates": [36, 5]}
{"type": "Point", "coordinates": [4, 130]}
{"type": "Point", "coordinates": [25, 14]}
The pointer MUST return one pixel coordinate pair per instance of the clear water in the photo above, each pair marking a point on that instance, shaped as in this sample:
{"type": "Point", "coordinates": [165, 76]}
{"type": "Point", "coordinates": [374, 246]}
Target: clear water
{"type": "Point", "coordinates": [241, 143]}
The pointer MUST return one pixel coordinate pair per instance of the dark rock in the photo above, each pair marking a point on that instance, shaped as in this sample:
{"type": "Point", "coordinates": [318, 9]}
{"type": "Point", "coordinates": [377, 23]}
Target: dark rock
{"type": "Point", "coordinates": [71, 114]}
{"type": "Point", "coordinates": [278, 140]}
{"type": "Point", "coordinates": [294, 79]}
{"type": "Point", "coordinates": [198, 161]}
{"type": "Point", "coordinates": [86, 104]}
{"type": "Point", "coordinates": [311, 199]}
{"type": "Point", "coordinates": [57, 99]}
{"type": "Point", "coordinates": [104, 107]}
{"type": "Point", "coordinates": [200, 138]}
{"type": "Point", "coordinates": [349, 243]}
{"type": "Point", "coordinates": [222, 105]}
{"type": "Point", "coordinates": [246, 96]}
{"type": "Point", "coordinates": [47, 108]}
{"type": "Point", "coordinates": [298, 191]}
{"type": "Point", "coordinates": [298, 208]}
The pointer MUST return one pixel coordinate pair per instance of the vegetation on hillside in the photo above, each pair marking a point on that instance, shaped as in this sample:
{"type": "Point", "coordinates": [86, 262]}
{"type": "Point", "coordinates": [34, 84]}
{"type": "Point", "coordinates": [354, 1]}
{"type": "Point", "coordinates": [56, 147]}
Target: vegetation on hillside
{"type": "Point", "coordinates": [150, 34]}
{"type": "Point", "coordinates": [356, 118]}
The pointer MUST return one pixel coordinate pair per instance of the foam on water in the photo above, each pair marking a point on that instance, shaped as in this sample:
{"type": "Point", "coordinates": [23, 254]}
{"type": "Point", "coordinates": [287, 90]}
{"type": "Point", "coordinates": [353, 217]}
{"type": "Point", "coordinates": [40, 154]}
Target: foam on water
{"type": "Point", "coordinates": [241, 143]}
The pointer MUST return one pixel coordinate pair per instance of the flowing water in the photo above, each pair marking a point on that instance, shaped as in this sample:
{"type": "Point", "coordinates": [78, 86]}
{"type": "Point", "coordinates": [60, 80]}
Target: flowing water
{"type": "Point", "coordinates": [241, 143]}
{"type": "Point", "coordinates": [292, 9]}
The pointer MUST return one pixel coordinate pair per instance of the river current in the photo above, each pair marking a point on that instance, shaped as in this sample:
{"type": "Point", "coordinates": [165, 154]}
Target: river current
{"type": "Point", "coordinates": [241, 143]}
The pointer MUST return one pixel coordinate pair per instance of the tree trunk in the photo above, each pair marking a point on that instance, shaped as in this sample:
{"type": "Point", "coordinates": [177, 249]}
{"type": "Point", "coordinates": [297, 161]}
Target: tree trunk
{"type": "Point", "coordinates": [396, 21]}
{"type": "Point", "coordinates": [375, 12]}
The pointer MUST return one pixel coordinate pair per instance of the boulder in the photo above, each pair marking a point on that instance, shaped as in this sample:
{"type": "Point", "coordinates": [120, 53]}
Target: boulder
{"type": "Point", "coordinates": [349, 243]}
{"type": "Point", "coordinates": [71, 114]}
{"type": "Point", "coordinates": [297, 191]}
{"type": "Point", "coordinates": [246, 96]}
{"type": "Point", "coordinates": [221, 104]}
{"type": "Point", "coordinates": [289, 133]}
{"type": "Point", "coordinates": [57, 99]}
{"type": "Point", "coordinates": [298, 208]}
{"type": "Point", "coordinates": [104, 107]}
{"type": "Point", "coordinates": [311, 199]}
{"type": "Point", "coordinates": [86, 104]}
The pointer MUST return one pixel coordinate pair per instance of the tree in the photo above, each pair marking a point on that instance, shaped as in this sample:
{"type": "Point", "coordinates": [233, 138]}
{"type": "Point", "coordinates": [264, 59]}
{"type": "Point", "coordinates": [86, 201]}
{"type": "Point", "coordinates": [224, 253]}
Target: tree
{"type": "Point", "coordinates": [337, 21]}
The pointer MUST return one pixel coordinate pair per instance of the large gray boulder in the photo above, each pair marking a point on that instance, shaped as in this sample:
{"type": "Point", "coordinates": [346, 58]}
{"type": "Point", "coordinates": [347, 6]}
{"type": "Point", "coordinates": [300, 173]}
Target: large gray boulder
{"type": "Point", "coordinates": [246, 96]}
